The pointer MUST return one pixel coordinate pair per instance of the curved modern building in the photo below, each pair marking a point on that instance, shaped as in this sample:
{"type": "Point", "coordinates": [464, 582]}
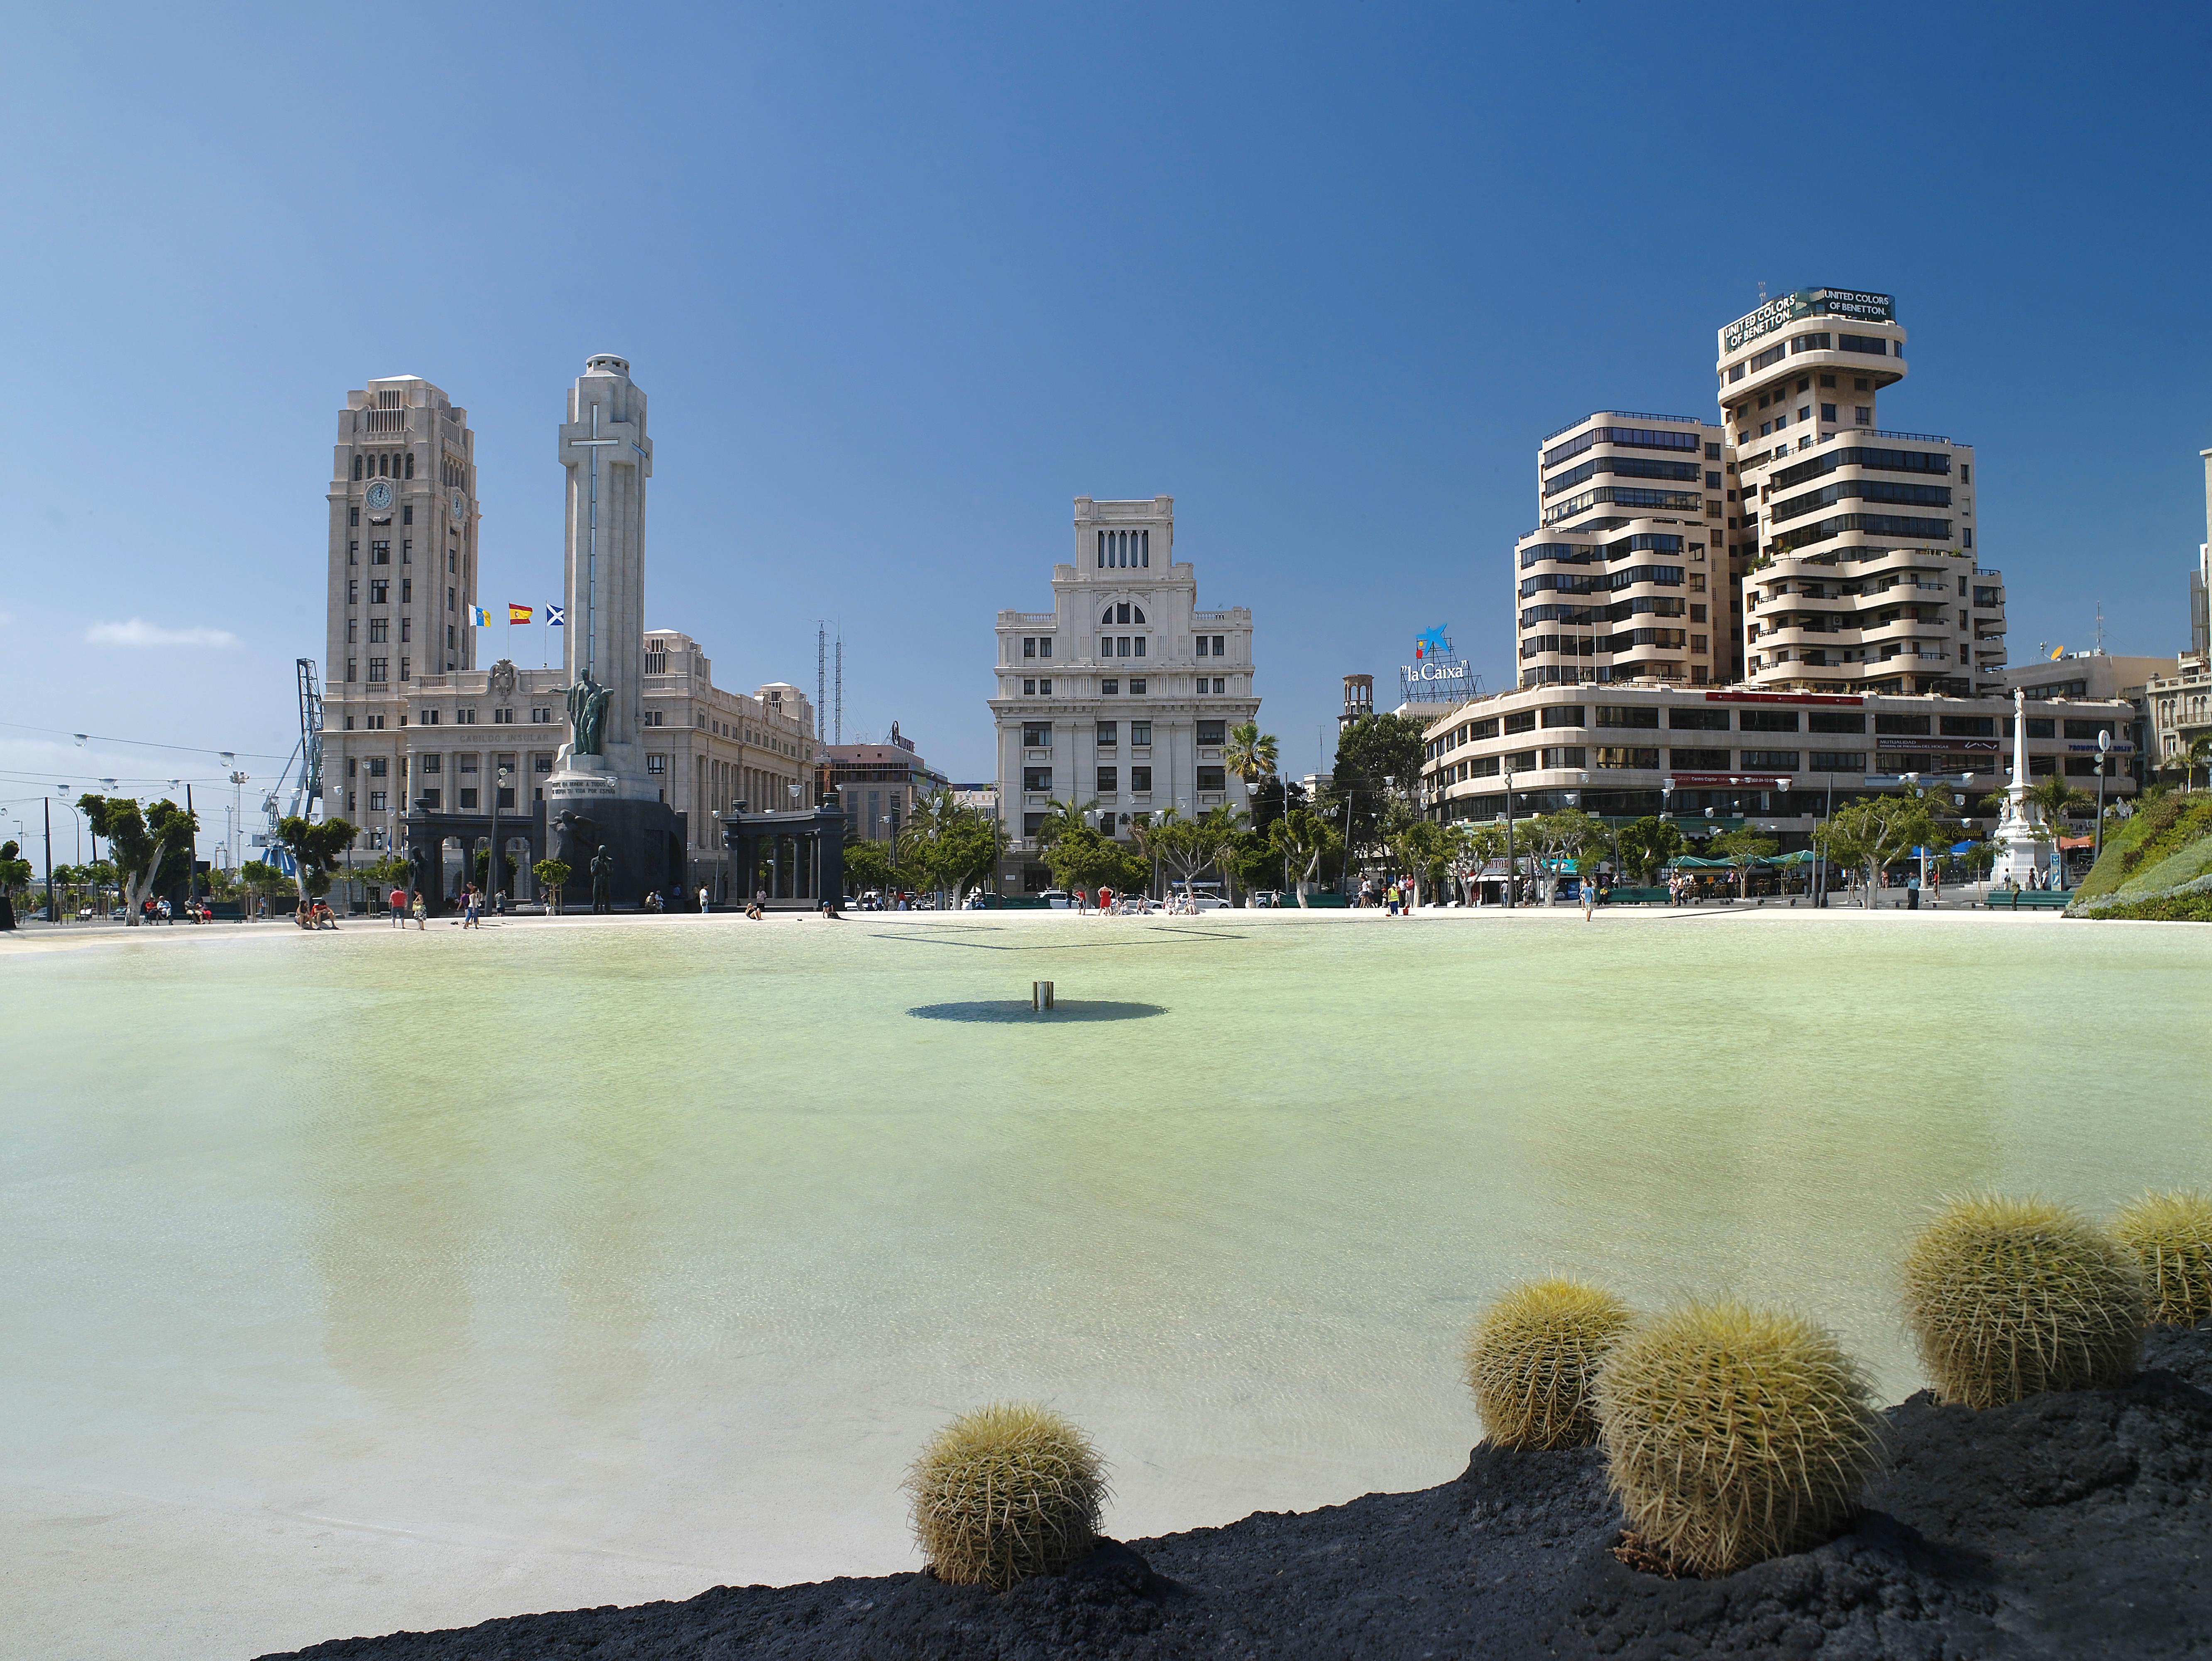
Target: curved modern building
{"type": "Point", "coordinates": [1853, 544]}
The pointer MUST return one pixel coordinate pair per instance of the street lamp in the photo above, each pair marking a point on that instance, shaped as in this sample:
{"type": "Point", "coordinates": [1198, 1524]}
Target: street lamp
{"type": "Point", "coordinates": [2103, 748]}
{"type": "Point", "coordinates": [1509, 839]}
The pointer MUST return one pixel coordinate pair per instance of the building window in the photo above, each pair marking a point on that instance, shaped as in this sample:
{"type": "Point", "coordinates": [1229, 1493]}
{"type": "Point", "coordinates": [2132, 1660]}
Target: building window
{"type": "Point", "coordinates": [1212, 778]}
{"type": "Point", "coordinates": [376, 801]}
{"type": "Point", "coordinates": [1137, 686]}
{"type": "Point", "coordinates": [1862, 416]}
{"type": "Point", "coordinates": [379, 630]}
{"type": "Point", "coordinates": [428, 718]}
{"type": "Point", "coordinates": [1044, 688]}
{"type": "Point", "coordinates": [1037, 778]}
{"type": "Point", "coordinates": [1827, 412]}
{"type": "Point", "coordinates": [406, 590]}
{"type": "Point", "coordinates": [656, 764]}
{"type": "Point", "coordinates": [379, 550]}
{"type": "Point", "coordinates": [379, 669]}
{"type": "Point", "coordinates": [468, 798]}
{"type": "Point", "coordinates": [353, 591]}
{"type": "Point", "coordinates": [1028, 688]}
{"type": "Point", "coordinates": [1108, 687]}
{"type": "Point", "coordinates": [1780, 721]}
{"type": "Point", "coordinates": [352, 553]}
{"type": "Point", "coordinates": [450, 607]}
{"type": "Point", "coordinates": [1616, 755]}
{"type": "Point", "coordinates": [1110, 781]}
{"type": "Point", "coordinates": [1028, 646]}
{"type": "Point", "coordinates": [403, 668]}
{"type": "Point", "coordinates": [1212, 733]}
{"type": "Point", "coordinates": [1124, 550]}
{"type": "Point", "coordinates": [1572, 755]}
{"type": "Point", "coordinates": [1141, 733]}
{"type": "Point", "coordinates": [1109, 733]}
{"type": "Point", "coordinates": [1699, 760]}
{"type": "Point", "coordinates": [449, 638]}
{"type": "Point", "coordinates": [541, 715]}
{"type": "Point", "coordinates": [406, 628]}
{"type": "Point", "coordinates": [502, 717]}
{"type": "Point", "coordinates": [1836, 761]}
{"type": "Point", "coordinates": [1219, 686]}
{"type": "Point", "coordinates": [379, 591]}
{"type": "Point", "coordinates": [1202, 645]}
{"type": "Point", "coordinates": [541, 763]}
{"type": "Point", "coordinates": [656, 718]}
{"type": "Point", "coordinates": [1036, 735]}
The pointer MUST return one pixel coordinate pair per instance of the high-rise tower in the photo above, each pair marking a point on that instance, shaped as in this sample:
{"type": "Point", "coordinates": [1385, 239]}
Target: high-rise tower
{"type": "Point", "coordinates": [402, 553]}
{"type": "Point", "coordinates": [1854, 544]}
{"type": "Point", "coordinates": [1616, 582]}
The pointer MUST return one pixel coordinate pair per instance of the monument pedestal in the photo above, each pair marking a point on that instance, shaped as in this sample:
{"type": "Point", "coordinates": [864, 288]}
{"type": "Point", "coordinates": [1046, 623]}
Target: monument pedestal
{"type": "Point", "coordinates": [586, 809]}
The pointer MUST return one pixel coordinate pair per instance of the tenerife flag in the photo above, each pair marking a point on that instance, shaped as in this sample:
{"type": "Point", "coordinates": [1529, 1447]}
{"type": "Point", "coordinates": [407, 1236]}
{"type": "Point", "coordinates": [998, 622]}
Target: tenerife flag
{"type": "Point", "coordinates": [517, 613]}
{"type": "Point", "coordinates": [479, 618]}
{"type": "Point", "coordinates": [556, 615]}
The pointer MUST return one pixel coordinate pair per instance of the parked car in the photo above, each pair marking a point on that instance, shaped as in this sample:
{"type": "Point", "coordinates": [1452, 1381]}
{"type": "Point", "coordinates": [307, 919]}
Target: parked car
{"type": "Point", "coordinates": [1059, 899]}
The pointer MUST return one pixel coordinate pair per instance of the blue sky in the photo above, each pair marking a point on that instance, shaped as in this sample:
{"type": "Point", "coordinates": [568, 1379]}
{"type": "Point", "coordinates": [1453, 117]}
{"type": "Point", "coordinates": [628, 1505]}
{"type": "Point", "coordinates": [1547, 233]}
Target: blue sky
{"type": "Point", "coordinates": [902, 281]}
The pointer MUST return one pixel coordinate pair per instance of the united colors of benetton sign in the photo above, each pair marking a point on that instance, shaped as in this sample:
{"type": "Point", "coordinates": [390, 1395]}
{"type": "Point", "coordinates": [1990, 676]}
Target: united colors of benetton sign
{"type": "Point", "coordinates": [1809, 302]}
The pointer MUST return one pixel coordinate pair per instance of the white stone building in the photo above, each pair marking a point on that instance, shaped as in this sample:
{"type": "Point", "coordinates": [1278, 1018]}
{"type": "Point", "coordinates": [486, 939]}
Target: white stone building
{"type": "Point", "coordinates": [1121, 699]}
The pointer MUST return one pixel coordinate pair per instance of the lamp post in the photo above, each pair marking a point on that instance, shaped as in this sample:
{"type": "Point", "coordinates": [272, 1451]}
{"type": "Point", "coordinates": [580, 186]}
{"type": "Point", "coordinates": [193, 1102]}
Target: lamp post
{"type": "Point", "coordinates": [2103, 748]}
{"type": "Point", "coordinates": [1509, 839]}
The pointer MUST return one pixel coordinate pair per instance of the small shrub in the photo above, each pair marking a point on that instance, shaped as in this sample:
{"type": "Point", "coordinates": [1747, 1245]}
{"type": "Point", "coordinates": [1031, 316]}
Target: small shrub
{"type": "Point", "coordinates": [1001, 1494]}
{"type": "Point", "coordinates": [2170, 1235]}
{"type": "Point", "coordinates": [1532, 1361]}
{"type": "Point", "coordinates": [2010, 1297]}
{"type": "Point", "coordinates": [1734, 1434]}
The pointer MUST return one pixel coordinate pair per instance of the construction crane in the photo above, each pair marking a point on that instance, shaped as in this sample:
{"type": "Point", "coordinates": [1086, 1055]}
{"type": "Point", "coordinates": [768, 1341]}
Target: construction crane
{"type": "Point", "coordinates": [308, 758]}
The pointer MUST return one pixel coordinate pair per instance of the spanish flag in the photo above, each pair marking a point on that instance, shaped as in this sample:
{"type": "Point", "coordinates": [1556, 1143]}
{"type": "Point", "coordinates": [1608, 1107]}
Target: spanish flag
{"type": "Point", "coordinates": [517, 613]}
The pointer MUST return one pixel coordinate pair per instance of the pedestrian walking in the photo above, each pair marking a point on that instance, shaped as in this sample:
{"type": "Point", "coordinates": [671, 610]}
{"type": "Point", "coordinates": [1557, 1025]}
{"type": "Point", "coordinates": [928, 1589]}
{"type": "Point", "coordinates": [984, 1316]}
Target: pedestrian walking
{"type": "Point", "coordinates": [422, 911]}
{"type": "Point", "coordinates": [1590, 897]}
{"type": "Point", "coordinates": [702, 899]}
{"type": "Point", "coordinates": [398, 907]}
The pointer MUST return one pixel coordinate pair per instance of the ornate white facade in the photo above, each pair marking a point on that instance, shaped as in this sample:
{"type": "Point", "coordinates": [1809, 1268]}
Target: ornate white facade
{"type": "Point", "coordinates": [1121, 699]}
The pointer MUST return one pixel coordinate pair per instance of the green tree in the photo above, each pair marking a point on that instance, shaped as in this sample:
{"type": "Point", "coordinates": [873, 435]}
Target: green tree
{"type": "Point", "coordinates": [1873, 832]}
{"type": "Point", "coordinates": [1251, 753]}
{"type": "Point", "coordinates": [951, 847]}
{"type": "Point", "coordinates": [1742, 849]}
{"type": "Point", "coordinates": [1370, 750]}
{"type": "Point", "coordinates": [552, 876]}
{"type": "Point", "coordinates": [2056, 800]}
{"type": "Point", "coordinates": [1646, 845]}
{"type": "Point", "coordinates": [1568, 833]}
{"type": "Point", "coordinates": [2184, 762]}
{"type": "Point", "coordinates": [15, 870]}
{"type": "Point", "coordinates": [1302, 839]}
{"type": "Point", "coordinates": [1061, 817]}
{"type": "Point", "coordinates": [1084, 858]}
{"type": "Point", "coordinates": [146, 846]}
{"type": "Point", "coordinates": [1474, 847]}
{"type": "Point", "coordinates": [871, 865]}
{"type": "Point", "coordinates": [315, 850]}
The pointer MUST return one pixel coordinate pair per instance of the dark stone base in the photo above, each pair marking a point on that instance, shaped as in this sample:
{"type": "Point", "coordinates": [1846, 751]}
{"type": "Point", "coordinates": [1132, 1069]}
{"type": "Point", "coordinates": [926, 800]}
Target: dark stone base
{"type": "Point", "coordinates": [646, 839]}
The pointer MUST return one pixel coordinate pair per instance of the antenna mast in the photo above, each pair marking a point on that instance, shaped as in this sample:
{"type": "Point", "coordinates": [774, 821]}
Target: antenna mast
{"type": "Point", "coordinates": [840, 714]}
{"type": "Point", "coordinates": [820, 672]}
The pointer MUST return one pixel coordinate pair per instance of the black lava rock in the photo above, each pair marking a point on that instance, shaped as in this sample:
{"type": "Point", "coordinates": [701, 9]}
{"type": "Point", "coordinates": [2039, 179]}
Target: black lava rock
{"type": "Point", "coordinates": [2074, 1525]}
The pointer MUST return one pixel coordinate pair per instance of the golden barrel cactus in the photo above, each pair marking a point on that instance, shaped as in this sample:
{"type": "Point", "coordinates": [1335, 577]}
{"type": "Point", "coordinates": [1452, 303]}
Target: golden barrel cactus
{"type": "Point", "coordinates": [1532, 1361]}
{"type": "Point", "coordinates": [1735, 1434]}
{"type": "Point", "coordinates": [2008, 1298]}
{"type": "Point", "coordinates": [1001, 1494]}
{"type": "Point", "coordinates": [2170, 1235]}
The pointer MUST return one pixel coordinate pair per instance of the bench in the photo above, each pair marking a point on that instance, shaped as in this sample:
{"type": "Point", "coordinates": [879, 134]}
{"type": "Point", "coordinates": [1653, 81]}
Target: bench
{"type": "Point", "coordinates": [2030, 898]}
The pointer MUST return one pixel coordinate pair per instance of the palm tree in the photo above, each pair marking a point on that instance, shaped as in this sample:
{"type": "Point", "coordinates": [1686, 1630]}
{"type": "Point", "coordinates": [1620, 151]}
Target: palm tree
{"type": "Point", "coordinates": [1063, 817]}
{"type": "Point", "coordinates": [2197, 753]}
{"type": "Point", "coordinates": [1249, 753]}
{"type": "Point", "coordinates": [2057, 799]}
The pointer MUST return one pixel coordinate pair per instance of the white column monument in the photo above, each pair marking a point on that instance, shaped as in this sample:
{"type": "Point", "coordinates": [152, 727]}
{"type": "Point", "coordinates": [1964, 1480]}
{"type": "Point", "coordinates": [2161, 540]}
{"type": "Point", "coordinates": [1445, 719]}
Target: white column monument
{"type": "Point", "coordinates": [603, 444]}
{"type": "Point", "coordinates": [2017, 846]}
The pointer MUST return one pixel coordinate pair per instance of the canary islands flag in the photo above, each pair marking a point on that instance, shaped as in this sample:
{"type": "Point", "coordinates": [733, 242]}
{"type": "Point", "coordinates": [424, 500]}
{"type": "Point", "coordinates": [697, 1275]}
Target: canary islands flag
{"type": "Point", "coordinates": [478, 617]}
{"type": "Point", "coordinates": [556, 615]}
{"type": "Point", "coordinates": [517, 613]}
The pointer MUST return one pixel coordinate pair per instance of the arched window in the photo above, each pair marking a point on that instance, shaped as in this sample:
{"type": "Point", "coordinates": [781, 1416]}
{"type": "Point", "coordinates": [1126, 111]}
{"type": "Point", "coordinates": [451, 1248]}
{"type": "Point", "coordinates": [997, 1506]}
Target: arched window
{"type": "Point", "coordinates": [411, 464]}
{"type": "Point", "coordinates": [1137, 614]}
{"type": "Point", "coordinates": [356, 466]}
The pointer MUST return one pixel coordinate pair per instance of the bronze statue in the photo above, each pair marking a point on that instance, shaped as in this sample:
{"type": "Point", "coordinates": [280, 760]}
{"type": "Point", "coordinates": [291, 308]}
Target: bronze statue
{"type": "Point", "coordinates": [602, 876]}
{"type": "Point", "coordinates": [587, 715]}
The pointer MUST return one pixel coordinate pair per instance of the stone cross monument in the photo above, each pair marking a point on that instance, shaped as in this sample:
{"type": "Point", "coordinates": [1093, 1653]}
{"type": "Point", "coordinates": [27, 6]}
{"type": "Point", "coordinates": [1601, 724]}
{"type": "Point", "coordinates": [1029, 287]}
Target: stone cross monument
{"type": "Point", "coordinates": [603, 444]}
{"type": "Point", "coordinates": [2015, 832]}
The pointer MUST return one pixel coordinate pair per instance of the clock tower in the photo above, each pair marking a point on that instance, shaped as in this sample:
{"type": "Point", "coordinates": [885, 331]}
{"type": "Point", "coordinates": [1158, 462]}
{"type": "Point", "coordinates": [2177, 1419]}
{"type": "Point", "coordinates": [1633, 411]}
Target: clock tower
{"type": "Point", "coordinates": [403, 539]}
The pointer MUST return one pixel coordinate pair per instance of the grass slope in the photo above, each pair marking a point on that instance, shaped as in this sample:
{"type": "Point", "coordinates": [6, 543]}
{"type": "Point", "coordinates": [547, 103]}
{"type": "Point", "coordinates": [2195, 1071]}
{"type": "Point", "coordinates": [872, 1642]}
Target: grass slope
{"type": "Point", "coordinates": [2155, 866]}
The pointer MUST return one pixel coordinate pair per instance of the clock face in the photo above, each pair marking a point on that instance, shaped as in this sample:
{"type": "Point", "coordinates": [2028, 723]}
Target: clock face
{"type": "Point", "coordinates": [460, 508]}
{"type": "Point", "coordinates": [380, 495]}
